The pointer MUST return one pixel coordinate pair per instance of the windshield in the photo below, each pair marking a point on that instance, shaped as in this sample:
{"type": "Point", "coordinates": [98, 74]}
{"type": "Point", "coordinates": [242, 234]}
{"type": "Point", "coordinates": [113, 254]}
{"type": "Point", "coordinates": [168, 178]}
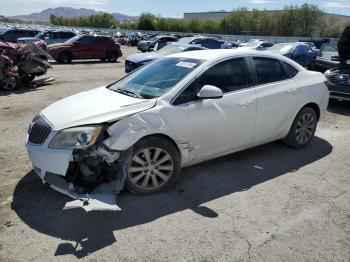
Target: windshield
{"type": "Point", "coordinates": [327, 51]}
{"type": "Point", "coordinates": [186, 40]}
{"type": "Point", "coordinates": [39, 35]}
{"type": "Point", "coordinates": [282, 48]}
{"type": "Point", "coordinates": [153, 39]}
{"type": "Point", "coordinates": [155, 79]}
{"type": "Point", "coordinates": [170, 49]}
{"type": "Point", "coordinates": [73, 39]}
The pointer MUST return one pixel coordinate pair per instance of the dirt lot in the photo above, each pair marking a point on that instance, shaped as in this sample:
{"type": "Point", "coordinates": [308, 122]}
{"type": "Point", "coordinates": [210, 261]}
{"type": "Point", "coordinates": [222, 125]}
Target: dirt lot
{"type": "Point", "coordinates": [269, 203]}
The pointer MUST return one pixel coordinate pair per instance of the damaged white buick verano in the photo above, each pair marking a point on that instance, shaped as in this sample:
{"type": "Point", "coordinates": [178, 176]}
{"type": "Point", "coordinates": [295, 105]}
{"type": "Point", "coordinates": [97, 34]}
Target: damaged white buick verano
{"type": "Point", "coordinates": [177, 111]}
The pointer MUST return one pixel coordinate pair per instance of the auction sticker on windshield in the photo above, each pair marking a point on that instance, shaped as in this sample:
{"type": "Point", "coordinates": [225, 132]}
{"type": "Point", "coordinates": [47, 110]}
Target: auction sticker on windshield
{"type": "Point", "coordinates": [186, 64]}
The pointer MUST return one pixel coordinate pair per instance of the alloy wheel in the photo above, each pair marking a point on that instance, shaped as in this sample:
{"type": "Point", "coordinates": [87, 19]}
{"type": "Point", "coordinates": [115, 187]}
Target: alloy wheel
{"type": "Point", "coordinates": [305, 128]}
{"type": "Point", "coordinates": [150, 168]}
{"type": "Point", "coordinates": [10, 83]}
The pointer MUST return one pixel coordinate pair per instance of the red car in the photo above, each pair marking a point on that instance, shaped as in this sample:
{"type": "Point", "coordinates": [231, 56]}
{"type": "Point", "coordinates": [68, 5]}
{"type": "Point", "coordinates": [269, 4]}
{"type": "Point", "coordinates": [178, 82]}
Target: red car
{"type": "Point", "coordinates": [86, 47]}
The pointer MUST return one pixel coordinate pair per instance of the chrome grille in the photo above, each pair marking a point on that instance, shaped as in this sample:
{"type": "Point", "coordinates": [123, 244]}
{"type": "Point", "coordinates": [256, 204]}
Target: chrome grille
{"type": "Point", "coordinates": [39, 131]}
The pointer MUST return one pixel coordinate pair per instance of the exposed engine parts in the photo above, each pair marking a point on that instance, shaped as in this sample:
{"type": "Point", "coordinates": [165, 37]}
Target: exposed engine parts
{"type": "Point", "coordinates": [21, 63]}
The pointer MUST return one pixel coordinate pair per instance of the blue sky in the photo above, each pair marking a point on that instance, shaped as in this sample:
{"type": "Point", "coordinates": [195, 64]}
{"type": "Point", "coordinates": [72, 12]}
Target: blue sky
{"type": "Point", "coordinates": [165, 8]}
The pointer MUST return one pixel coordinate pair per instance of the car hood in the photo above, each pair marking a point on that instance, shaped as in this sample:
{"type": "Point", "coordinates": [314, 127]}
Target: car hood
{"type": "Point", "coordinates": [140, 57]}
{"type": "Point", "coordinates": [93, 107]}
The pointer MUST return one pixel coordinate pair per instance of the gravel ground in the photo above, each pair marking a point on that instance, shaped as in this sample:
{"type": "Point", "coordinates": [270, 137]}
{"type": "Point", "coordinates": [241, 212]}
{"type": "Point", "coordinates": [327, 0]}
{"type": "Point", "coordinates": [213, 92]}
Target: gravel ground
{"type": "Point", "coordinates": [270, 203]}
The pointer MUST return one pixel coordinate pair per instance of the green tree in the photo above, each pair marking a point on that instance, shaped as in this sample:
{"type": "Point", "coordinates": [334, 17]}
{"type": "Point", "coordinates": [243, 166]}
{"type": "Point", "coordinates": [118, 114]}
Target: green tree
{"type": "Point", "coordinates": [147, 21]}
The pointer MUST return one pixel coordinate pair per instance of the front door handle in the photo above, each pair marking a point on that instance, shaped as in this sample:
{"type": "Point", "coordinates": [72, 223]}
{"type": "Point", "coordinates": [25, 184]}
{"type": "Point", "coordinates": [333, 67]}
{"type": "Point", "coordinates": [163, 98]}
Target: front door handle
{"type": "Point", "coordinates": [246, 103]}
{"type": "Point", "coordinates": [291, 91]}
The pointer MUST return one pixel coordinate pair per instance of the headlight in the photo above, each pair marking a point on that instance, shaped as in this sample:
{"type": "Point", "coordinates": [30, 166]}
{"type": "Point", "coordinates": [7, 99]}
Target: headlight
{"type": "Point", "coordinates": [77, 137]}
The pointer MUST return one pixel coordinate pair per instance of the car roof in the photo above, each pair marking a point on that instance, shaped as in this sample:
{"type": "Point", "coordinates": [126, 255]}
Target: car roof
{"type": "Point", "coordinates": [185, 45]}
{"type": "Point", "coordinates": [215, 54]}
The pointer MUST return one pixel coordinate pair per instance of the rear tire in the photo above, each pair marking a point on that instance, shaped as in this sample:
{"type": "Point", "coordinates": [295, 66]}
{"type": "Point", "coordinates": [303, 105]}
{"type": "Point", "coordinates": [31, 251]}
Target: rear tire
{"type": "Point", "coordinates": [112, 57]}
{"type": "Point", "coordinates": [153, 166]}
{"type": "Point", "coordinates": [65, 57]}
{"type": "Point", "coordinates": [26, 79]}
{"type": "Point", "coordinates": [303, 129]}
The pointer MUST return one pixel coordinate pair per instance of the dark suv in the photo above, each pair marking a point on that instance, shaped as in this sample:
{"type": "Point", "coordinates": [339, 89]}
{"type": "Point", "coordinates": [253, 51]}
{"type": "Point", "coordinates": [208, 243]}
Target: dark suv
{"type": "Point", "coordinates": [11, 35]}
{"type": "Point", "coordinates": [156, 42]}
{"type": "Point", "coordinates": [86, 47]}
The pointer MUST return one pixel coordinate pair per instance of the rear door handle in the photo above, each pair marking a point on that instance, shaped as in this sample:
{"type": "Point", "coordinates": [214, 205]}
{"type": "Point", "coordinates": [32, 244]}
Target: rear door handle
{"type": "Point", "coordinates": [246, 103]}
{"type": "Point", "coordinates": [291, 91]}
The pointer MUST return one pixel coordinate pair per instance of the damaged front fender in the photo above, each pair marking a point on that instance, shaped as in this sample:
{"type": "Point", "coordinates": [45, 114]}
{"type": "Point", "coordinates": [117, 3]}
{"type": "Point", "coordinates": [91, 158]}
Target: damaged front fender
{"type": "Point", "coordinates": [126, 132]}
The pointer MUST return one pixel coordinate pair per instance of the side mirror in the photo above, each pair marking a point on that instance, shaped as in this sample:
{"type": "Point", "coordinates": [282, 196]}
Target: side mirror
{"type": "Point", "coordinates": [210, 92]}
{"type": "Point", "coordinates": [335, 58]}
{"type": "Point", "coordinates": [46, 38]}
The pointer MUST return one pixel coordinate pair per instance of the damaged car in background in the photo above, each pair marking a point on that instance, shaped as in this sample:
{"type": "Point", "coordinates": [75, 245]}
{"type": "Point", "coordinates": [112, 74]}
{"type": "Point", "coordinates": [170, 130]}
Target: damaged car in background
{"type": "Point", "coordinates": [339, 76]}
{"type": "Point", "coordinates": [179, 110]}
{"type": "Point", "coordinates": [21, 63]}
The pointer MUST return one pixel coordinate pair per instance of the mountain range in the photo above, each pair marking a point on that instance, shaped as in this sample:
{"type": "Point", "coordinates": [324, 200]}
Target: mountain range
{"type": "Point", "coordinates": [69, 12]}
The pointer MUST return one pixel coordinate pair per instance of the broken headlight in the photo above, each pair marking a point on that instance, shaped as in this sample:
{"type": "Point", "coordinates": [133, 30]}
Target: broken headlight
{"type": "Point", "coordinates": [76, 137]}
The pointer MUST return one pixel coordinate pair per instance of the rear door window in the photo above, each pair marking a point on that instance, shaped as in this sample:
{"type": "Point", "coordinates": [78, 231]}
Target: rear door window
{"type": "Point", "coordinates": [290, 70]}
{"type": "Point", "coordinates": [211, 44]}
{"type": "Point", "coordinates": [269, 70]}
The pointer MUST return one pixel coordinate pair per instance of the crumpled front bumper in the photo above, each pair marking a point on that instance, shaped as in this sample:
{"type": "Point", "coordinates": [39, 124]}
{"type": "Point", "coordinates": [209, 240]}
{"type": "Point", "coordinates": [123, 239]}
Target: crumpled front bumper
{"type": "Point", "coordinates": [45, 159]}
{"type": "Point", "coordinates": [51, 166]}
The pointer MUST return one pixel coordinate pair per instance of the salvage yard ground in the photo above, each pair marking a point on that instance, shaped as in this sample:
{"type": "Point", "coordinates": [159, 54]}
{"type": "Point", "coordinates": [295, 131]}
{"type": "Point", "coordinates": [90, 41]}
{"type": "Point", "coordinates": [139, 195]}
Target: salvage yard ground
{"type": "Point", "coordinates": [270, 203]}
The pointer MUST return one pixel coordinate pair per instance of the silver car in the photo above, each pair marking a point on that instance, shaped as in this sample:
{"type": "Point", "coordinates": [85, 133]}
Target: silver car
{"type": "Point", "coordinates": [50, 37]}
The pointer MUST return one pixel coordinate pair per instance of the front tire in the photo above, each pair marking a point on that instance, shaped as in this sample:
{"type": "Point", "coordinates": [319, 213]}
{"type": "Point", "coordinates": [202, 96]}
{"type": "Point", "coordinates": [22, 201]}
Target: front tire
{"type": "Point", "coordinates": [65, 58]}
{"type": "Point", "coordinates": [303, 129]}
{"type": "Point", "coordinates": [9, 84]}
{"type": "Point", "coordinates": [153, 166]}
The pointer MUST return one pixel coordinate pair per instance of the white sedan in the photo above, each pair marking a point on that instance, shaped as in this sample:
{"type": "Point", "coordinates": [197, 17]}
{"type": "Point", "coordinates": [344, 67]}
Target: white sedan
{"type": "Point", "coordinates": [177, 111]}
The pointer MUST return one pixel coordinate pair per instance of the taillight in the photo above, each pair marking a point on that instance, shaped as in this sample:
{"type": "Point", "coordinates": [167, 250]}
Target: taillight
{"type": "Point", "coordinates": [326, 83]}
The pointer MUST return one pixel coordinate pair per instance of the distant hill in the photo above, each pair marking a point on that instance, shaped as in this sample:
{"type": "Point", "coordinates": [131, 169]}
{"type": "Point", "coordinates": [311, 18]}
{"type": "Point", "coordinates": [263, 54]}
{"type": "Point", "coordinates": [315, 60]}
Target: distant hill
{"type": "Point", "coordinates": [68, 12]}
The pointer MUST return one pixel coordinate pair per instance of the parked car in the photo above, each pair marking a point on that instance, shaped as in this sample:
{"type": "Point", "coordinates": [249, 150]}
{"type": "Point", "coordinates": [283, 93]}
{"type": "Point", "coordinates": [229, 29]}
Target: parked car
{"type": "Point", "coordinates": [211, 43]}
{"type": "Point", "coordinates": [259, 45]}
{"type": "Point", "coordinates": [251, 42]}
{"type": "Point", "coordinates": [136, 60]}
{"type": "Point", "coordinates": [339, 77]}
{"type": "Point", "coordinates": [11, 35]}
{"type": "Point", "coordinates": [328, 58]}
{"type": "Point", "coordinates": [174, 112]}
{"type": "Point", "coordinates": [50, 37]}
{"type": "Point", "coordinates": [207, 42]}
{"type": "Point", "coordinates": [302, 53]}
{"type": "Point", "coordinates": [86, 47]}
{"type": "Point", "coordinates": [159, 40]}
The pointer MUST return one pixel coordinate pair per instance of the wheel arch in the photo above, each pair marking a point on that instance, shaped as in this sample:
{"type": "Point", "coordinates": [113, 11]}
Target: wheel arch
{"type": "Point", "coordinates": [172, 141]}
{"type": "Point", "coordinates": [313, 106]}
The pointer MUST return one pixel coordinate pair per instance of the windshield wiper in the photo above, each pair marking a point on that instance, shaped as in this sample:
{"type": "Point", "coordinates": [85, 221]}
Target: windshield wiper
{"type": "Point", "coordinates": [128, 92]}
